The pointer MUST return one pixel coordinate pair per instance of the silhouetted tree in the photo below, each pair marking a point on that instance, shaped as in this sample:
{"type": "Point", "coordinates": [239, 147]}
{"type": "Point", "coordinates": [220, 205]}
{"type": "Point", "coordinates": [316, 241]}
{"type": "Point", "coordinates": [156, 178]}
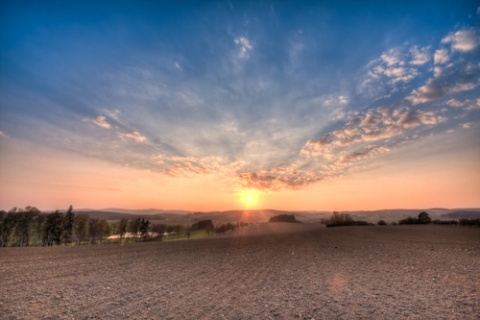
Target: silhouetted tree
{"type": "Point", "coordinates": [159, 229]}
{"type": "Point", "coordinates": [284, 218]}
{"type": "Point", "coordinates": [202, 225]}
{"type": "Point", "coordinates": [80, 227]}
{"type": "Point", "coordinates": [344, 219]}
{"type": "Point", "coordinates": [103, 229]}
{"type": "Point", "coordinates": [408, 220]}
{"type": "Point", "coordinates": [24, 222]}
{"type": "Point", "coordinates": [144, 228]}
{"type": "Point", "coordinates": [423, 218]}
{"type": "Point", "coordinates": [93, 230]}
{"type": "Point", "coordinates": [68, 226]}
{"type": "Point", "coordinates": [469, 222]}
{"type": "Point", "coordinates": [53, 228]}
{"type": "Point", "coordinates": [122, 228]}
{"type": "Point", "coordinates": [339, 219]}
{"type": "Point", "coordinates": [225, 227]}
{"type": "Point", "coordinates": [134, 226]}
{"type": "Point", "coordinates": [38, 229]}
{"type": "Point", "coordinates": [175, 229]}
{"type": "Point", "coordinates": [7, 224]}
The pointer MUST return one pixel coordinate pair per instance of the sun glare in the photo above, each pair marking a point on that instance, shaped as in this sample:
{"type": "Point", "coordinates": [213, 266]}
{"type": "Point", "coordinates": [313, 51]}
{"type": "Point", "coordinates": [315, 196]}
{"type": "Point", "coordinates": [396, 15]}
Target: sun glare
{"type": "Point", "coordinates": [249, 198]}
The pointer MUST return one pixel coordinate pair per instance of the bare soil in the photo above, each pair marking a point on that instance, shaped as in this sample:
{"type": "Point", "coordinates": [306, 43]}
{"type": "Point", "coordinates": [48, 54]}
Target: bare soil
{"type": "Point", "coordinates": [269, 271]}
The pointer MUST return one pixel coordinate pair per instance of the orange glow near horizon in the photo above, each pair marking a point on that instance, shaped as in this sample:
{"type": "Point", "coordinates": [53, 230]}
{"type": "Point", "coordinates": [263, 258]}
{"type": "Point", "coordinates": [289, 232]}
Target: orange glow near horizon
{"type": "Point", "coordinates": [57, 182]}
{"type": "Point", "coordinates": [249, 198]}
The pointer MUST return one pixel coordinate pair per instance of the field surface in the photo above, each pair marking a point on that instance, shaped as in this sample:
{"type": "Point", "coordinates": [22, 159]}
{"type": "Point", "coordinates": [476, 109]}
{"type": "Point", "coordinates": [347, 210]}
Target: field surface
{"type": "Point", "coordinates": [267, 271]}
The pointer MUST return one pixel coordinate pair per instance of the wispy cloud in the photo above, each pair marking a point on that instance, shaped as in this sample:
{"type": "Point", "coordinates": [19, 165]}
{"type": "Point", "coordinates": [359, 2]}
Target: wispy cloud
{"type": "Point", "coordinates": [337, 152]}
{"type": "Point", "coordinates": [368, 152]}
{"type": "Point", "coordinates": [278, 179]}
{"type": "Point", "coordinates": [101, 121]}
{"type": "Point", "coordinates": [377, 124]}
{"type": "Point", "coordinates": [455, 103]}
{"type": "Point", "coordinates": [244, 47]}
{"type": "Point", "coordinates": [3, 135]}
{"type": "Point", "coordinates": [134, 135]}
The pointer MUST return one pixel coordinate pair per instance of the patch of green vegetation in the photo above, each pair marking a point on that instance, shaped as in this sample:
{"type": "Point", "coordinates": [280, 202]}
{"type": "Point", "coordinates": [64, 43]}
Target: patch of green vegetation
{"type": "Point", "coordinates": [184, 235]}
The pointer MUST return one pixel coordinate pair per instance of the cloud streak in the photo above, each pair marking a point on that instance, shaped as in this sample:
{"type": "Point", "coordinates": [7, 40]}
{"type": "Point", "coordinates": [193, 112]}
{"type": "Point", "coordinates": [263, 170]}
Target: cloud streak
{"type": "Point", "coordinates": [101, 121]}
{"type": "Point", "coordinates": [134, 135]}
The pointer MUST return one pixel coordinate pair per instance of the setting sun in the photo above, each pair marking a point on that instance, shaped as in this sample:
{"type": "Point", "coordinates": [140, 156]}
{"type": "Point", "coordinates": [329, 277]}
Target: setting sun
{"type": "Point", "coordinates": [249, 198]}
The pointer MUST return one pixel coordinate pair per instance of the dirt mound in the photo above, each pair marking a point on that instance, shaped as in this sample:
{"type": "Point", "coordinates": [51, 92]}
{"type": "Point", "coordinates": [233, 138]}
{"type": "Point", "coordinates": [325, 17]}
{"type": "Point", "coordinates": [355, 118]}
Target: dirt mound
{"type": "Point", "coordinates": [266, 271]}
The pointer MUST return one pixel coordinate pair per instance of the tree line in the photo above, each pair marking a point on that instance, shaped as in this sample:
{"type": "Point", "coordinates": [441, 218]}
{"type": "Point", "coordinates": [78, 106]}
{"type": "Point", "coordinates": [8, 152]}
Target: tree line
{"type": "Point", "coordinates": [344, 219]}
{"type": "Point", "coordinates": [30, 227]}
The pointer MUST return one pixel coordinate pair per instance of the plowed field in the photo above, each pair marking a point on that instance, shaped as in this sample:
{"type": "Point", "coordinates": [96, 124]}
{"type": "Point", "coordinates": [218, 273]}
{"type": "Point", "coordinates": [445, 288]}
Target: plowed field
{"type": "Point", "coordinates": [269, 271]}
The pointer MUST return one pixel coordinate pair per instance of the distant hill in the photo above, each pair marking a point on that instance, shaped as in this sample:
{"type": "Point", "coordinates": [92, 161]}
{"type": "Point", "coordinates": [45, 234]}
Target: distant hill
{"type": "Point", "coordinates": [462, 214]}
{"type": "Point", "coordinates": [110, 215]}
{"type": "Point", "coordinates": [145, 211]}
{"type": "Point", "coordinates": [263, 215]}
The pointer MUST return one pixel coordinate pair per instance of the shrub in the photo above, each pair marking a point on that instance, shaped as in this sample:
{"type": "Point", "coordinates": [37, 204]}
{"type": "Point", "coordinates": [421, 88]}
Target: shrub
{"type": "Point", "coordinates": [344, 219]}
{"type": "Point", "coordinates": [284, 218]}
{"type": "Point", "coordinates": [381, 223]}
{"type": "Point", "coordinates": [202, 225]}
{"type": "Point", "coordinates": [470, 222]}
{"type": "Point", "coordinates": [423, 218]}
{"type": "Point", "coordinates": [444, 222]}
{"type": "Point", "coordinates": [225, 227]}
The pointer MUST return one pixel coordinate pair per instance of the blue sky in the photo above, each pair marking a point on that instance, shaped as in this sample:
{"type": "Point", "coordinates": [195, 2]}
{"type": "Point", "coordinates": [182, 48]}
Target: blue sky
{"type": "Point", "coordinates": [267, 96]}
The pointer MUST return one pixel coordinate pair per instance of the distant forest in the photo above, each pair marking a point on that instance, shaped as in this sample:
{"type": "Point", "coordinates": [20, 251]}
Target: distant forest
{"type": "Point", "coordinates": [30, 227]}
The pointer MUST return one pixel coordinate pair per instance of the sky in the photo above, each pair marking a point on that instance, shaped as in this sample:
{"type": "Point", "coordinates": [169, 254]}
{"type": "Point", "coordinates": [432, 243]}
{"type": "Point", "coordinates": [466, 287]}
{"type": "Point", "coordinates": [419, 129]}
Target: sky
{"type": "Point", "coordinates": [217, 105]}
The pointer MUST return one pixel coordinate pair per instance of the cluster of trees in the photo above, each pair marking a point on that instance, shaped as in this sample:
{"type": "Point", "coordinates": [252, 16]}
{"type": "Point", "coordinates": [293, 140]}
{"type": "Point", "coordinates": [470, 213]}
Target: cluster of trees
{"type": "Point", "coordinates": [29, 226]}
{"type": "Point", "coordinates": [469, 222]}
{"type": "Point", "coordinates": [135, 227]}
{"type": "Point", "coordinates": [344, 219]}
{"type": "Point", "coordinates": [284, 218]}
{"type": "Point", "coordinates": [208, 226]}
{"type": "Point", "coordinates": [226, 227]}
{"type": "Point", "coordinates": [423, 218]}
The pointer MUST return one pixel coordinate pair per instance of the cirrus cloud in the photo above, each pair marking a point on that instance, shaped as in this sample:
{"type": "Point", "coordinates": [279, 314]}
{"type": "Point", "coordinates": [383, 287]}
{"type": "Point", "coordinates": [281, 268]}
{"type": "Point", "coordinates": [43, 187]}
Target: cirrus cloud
{"type": "Point", "coordinates": [134, 135]}
{"type": "Point", "coordinates": [101, 121]}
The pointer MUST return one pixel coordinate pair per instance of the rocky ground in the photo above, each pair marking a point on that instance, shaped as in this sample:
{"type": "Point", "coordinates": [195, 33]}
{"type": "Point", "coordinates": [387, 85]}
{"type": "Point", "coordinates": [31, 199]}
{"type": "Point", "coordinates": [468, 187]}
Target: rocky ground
{"type": "Point", "coordinates": [268, 271]}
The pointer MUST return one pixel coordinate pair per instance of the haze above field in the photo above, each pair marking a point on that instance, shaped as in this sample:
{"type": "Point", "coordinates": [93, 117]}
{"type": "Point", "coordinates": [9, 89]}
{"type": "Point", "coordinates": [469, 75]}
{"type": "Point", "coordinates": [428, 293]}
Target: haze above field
{"type": "Point", "coordinates": [263, 215]}
{"type": "Point", "coordinates": [234, 104]}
